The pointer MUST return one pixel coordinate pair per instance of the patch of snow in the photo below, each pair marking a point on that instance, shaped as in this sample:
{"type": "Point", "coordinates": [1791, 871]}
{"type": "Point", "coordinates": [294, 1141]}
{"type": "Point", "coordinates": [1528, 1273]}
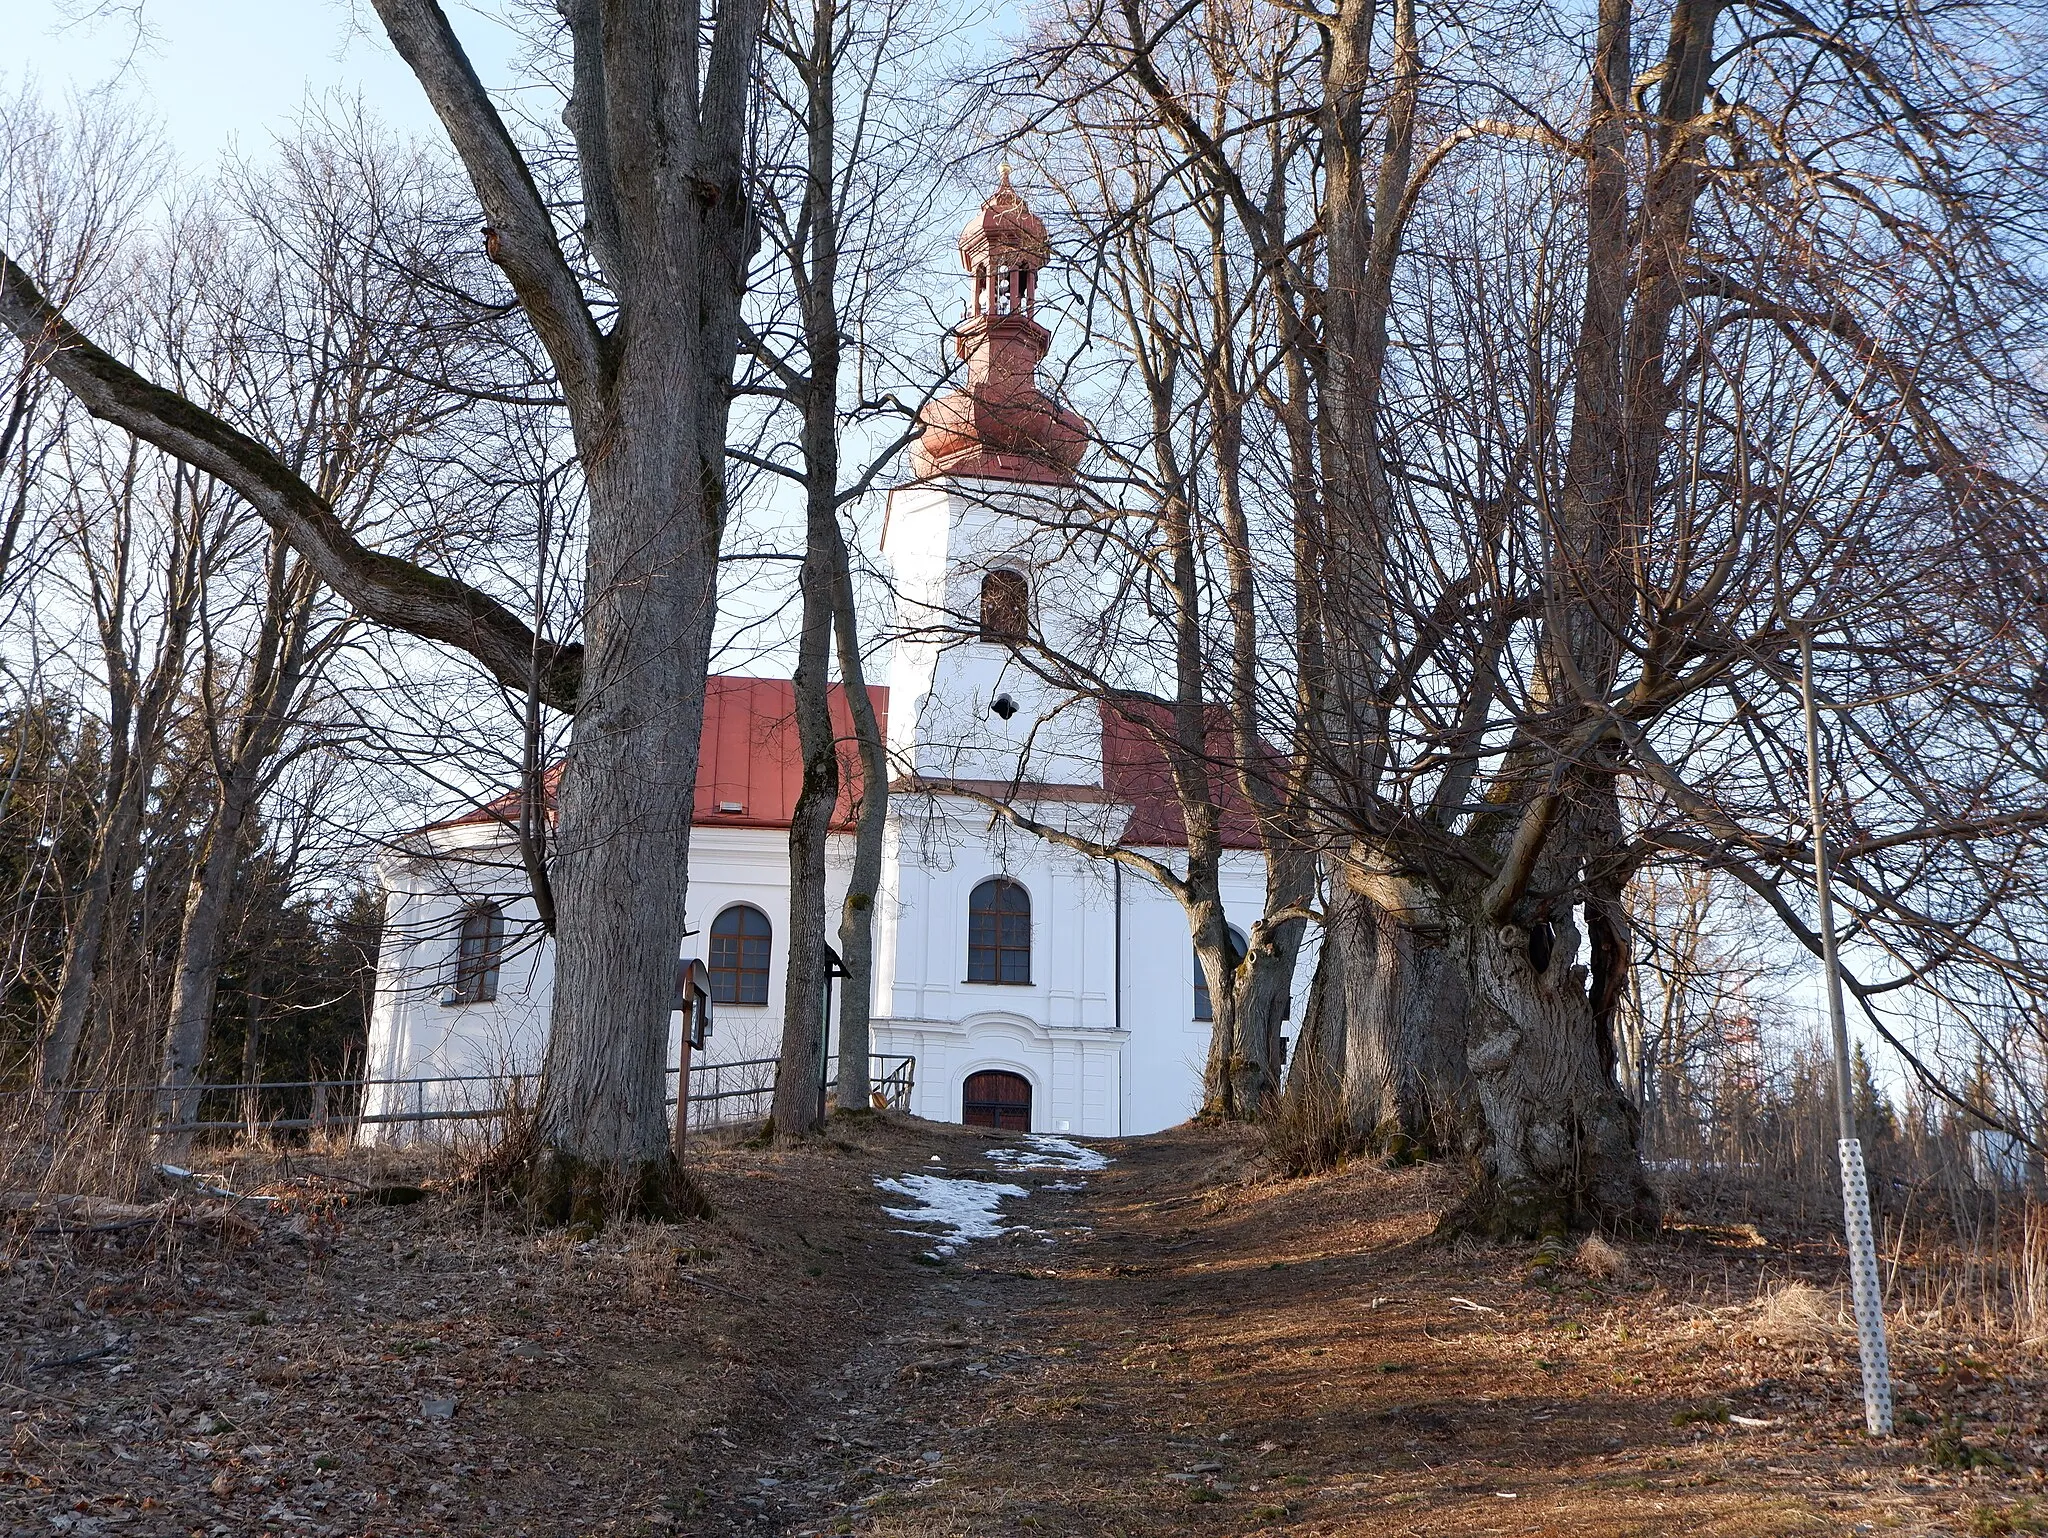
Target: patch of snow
{"type": "Point", "coordinates": [964, 1209]}
{"type": "Point", "coordinates": [177, 1174]}
{"type": "Point", "coordinates": [1047, 1151]}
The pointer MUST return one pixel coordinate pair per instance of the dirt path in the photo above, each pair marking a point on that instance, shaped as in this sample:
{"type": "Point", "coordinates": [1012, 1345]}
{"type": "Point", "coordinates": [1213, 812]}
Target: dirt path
{"type": "Point", "coordinates": [1185, 1351]}
{"type": "Point", "coordinates": [1181, 1345]}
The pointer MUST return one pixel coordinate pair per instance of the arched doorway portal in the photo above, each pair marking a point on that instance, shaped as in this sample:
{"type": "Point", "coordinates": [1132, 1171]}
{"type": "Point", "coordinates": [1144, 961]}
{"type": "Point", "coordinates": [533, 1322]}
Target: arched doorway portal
{"type": "Point", "coordinates": [997, 1099]}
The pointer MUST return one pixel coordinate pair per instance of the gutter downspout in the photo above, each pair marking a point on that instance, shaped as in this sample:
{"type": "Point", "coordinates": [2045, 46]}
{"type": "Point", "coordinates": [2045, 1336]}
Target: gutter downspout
{"type": "Point", "coordinates": [1123, 1092]}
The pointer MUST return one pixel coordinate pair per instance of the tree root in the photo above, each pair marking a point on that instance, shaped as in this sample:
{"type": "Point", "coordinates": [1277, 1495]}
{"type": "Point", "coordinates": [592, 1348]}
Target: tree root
{"type": "Point", "coordinates": [1528, 1212]}
{"type": "Point", "coordinates": [564, 1190]}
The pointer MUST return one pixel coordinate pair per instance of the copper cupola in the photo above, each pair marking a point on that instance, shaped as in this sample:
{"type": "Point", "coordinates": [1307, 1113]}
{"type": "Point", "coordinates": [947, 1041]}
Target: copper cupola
{"type": "Point", "coordinates": [1001, 426]}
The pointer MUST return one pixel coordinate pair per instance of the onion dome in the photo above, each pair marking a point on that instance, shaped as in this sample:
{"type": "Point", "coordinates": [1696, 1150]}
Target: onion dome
{"type": "Point", "coordinates": [1001, 426]}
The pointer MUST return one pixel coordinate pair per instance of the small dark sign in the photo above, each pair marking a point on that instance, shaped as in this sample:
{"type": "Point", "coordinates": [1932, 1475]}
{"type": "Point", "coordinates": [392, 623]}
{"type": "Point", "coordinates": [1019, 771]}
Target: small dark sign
{"type": "Point", "coordinates": [693, 999]}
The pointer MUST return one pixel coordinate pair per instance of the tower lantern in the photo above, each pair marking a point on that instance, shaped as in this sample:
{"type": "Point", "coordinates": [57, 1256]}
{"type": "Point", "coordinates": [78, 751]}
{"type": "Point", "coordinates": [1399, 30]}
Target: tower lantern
{"type": "Point", "coordinates": [1001, 426]}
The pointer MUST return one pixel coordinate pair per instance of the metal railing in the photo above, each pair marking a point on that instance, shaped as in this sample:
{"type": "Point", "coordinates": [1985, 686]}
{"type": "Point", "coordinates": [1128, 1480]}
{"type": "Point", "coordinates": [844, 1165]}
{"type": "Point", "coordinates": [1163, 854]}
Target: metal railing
{"type": "Point", "coordinates": [736, 1091]}
{"type": "Point", "coordinates": [892, 1086]}
{"type": "Point", "coordinates": [893, 1076]}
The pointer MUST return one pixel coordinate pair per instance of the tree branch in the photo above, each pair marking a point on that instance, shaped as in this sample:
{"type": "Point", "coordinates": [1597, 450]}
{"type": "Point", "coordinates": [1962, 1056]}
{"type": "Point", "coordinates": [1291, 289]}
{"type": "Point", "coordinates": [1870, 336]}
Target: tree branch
{"type": "Point", "coordinates": [1144, 864]}
{"type": "Point", "coordinates": [381, 587]}
{"type": "Point", "coordinates": [526, 246]}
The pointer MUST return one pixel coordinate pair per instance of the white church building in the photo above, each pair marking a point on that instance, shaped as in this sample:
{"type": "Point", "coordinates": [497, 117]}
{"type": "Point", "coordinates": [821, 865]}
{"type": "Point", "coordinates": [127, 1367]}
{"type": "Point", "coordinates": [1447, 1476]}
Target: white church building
{"type": "Point", "coordinates": [1036, 986]}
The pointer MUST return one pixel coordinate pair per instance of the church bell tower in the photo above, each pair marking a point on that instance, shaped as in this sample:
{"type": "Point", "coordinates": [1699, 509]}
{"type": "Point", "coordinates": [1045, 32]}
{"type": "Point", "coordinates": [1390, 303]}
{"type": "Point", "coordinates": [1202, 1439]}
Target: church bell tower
{"type": "Point", "coordinates": [990, 588]}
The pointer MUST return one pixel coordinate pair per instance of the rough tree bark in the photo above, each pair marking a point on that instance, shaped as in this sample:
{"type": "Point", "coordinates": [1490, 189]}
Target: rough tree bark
{"type": "Point", "coordinates": [1560, 1140]}
{"type": "Point", "coordinates": [660, 131]}
{"type": "Point", "coordinates": [1406, 1091]}
{"type": "Point", "coordinates": [1558, 1145]}
{"type": "Point", "coordinates": [864, 881]}
{"type": "Point", "coordinates": [659, 113]}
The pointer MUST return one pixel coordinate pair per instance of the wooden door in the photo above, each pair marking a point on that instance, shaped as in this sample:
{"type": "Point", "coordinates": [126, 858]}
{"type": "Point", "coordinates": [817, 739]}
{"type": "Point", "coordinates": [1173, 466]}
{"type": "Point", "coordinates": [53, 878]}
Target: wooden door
{"type": "Point", "coordinates": [997, 1099]}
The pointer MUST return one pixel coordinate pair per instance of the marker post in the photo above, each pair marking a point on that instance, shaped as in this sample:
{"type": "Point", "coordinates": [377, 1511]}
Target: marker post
{"type": "Point", "coordinates": [1863, 1278]}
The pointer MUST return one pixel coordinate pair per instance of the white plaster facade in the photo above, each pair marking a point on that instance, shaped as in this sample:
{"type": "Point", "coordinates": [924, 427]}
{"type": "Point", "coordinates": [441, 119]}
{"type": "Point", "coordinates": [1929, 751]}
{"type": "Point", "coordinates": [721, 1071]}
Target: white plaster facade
{"type": "Point", "coordinates": [1105, 1031]}
{"type": "Point", "coordinates": [415, 1035]}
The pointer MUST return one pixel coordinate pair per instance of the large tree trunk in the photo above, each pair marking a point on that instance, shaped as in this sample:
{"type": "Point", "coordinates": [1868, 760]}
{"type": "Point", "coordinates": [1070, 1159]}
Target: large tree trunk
{"type": "Point", "coordinates": [1232, 1084]}
{"type": "Point", "coordinates": [660, 123]}
{"type": "Point", "coordinates": [1380, 1063]}
{"type": "Point", "coordinates": [1407, 1091]}
{"type": "Point", "coordinates": [1558, 1149]}
{"type": "Point", "coordinates": [1560, 1141]}
{"type": "Point", "coordinates": [660, 113]}
{"type": "Point", "coordinates": [621, 866]}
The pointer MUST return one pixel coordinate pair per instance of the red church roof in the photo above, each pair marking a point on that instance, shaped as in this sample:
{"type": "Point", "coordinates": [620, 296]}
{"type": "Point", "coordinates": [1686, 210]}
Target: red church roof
{"type": "Point", "coordinates": [749, 766]}
{"type": "Point", "coordinates": [751, 760]}
{"type": "Point", "coordinates": [1135, 769]}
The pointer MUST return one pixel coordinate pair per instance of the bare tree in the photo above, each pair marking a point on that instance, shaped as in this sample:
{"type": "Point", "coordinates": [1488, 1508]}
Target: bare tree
{"type": "Point", "coordinates": [658, 109]}
{"type": "Point", "coordinates": [339, 336]}
{"type": "Point", "coordinates": [119, 553]}
{"type": "Point", "coordinates": [1605, 392]}
{"type": "Point", "coordinates": [845, 223]}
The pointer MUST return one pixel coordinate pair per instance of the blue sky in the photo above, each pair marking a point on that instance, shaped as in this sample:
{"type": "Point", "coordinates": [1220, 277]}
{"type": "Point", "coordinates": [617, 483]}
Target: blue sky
{"type": "Point", "coordinates": [229, 74]}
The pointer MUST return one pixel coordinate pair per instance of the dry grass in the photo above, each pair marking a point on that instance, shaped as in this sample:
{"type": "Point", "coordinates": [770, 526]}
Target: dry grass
{"type": "Point", "coordinates": [1307, 1135]}
{"type": "Point", "coordinates": [1599, 1259]}
{"type": "Point", "coordinates": [102, 1150]}
{"type": "Point", "coordinates": [179, 1376]}
{"type": "Point", "coordinates": [2030, 1278]}
{"type": "Point", "coordinates": [1185, 1349]}
{"type": "Point", "coordinates": [1798, 1312]}
{"type": "Point", "coordinates": [1304, 1360]}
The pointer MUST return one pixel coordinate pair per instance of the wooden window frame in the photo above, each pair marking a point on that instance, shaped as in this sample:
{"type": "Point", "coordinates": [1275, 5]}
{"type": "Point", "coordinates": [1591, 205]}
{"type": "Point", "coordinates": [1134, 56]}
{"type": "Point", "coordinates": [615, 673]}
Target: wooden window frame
{"type": "Point", "coordinates": [729, 955]}
{"type": "Point", "coordinates": [998, 938]}
{"type": "Point", "coordinates": [479, 954]}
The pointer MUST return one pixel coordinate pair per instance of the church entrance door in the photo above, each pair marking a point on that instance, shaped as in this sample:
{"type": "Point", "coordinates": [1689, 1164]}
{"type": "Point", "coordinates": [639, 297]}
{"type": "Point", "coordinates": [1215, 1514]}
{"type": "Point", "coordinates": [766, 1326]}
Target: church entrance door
{"type": "Point", "coordinates": [997, 1099]}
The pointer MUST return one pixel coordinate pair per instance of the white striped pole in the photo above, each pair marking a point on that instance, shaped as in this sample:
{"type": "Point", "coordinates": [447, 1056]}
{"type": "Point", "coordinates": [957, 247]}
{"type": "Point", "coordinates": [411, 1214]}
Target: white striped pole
{"type": "Point", "coordinates": [1863, 1278]}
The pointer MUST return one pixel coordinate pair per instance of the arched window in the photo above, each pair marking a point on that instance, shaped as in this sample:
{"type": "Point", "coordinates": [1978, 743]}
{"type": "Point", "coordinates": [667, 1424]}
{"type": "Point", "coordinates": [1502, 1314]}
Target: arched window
{"type": "Point", "coordinates": [740, 939]}
{"type": "Point", "coordinates": [999, 933]}
{"type": "Point", "coordinates": [1005, 606]}
{"type": "Point", "coordinates": [1205, 1006]}
{"type": "Point", "coordinates": [479, 948]}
